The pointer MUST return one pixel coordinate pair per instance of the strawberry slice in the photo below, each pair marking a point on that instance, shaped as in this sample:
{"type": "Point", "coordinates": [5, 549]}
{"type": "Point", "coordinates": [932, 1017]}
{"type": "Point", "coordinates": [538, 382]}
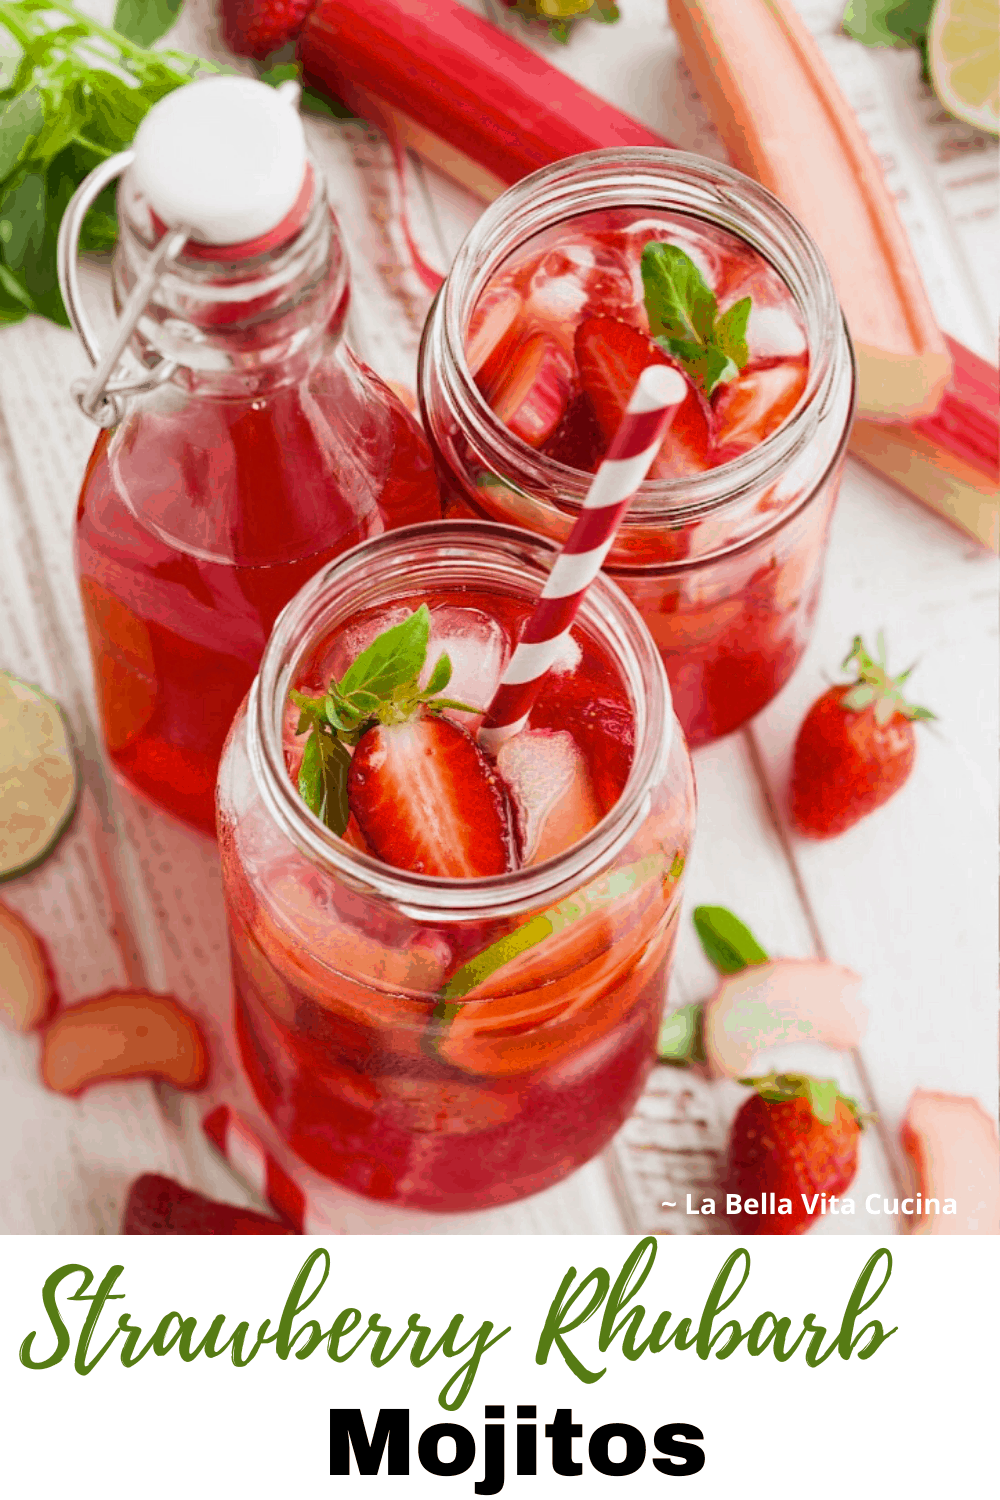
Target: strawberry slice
{"type": "Point", "coordinates": [427, 800]}
{"type": "Point", "coordinates": [610, 357]}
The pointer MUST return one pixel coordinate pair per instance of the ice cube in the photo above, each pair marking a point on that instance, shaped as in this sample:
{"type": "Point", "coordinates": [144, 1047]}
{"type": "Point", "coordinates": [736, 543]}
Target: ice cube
{"type": "Point", "coordinates": [478, 647]}
{"type": "Point", "coordinates": [547, 774]}
{"type": "Point", "coordinates": [775, 332]}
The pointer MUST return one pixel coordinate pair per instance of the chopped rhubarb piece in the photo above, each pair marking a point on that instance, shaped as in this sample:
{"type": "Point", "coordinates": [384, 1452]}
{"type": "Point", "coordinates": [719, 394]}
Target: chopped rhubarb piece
{"type": "Point", "coordinates": [494, 329]}
{"type": "Point", "coordinates": [786, 1000]}
{"type": "Point", "coordinates": [547, 774]}
{"type": "Point", "coordinates": [428, 800]}
{"type": "Point", "coordinates": [27, 989]}
{"type": "Point", "coordinates": [531, 393]}
{"type": "Point", "coordinates": [610, 357]}
{"type": "Point", "coordinates": [123, 1034]}
{"type": "Point", "coordinates": [952, 1143]}
{"type": "Point", "coordinates": [158, 1205]}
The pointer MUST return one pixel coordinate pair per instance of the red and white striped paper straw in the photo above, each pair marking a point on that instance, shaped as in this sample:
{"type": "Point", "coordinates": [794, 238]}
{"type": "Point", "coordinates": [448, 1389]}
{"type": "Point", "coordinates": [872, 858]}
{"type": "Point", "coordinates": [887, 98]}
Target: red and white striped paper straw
{"type": "Point", "coordinates": [256, 1168]}
{"type": "Point", "coordinates": [658, 393]}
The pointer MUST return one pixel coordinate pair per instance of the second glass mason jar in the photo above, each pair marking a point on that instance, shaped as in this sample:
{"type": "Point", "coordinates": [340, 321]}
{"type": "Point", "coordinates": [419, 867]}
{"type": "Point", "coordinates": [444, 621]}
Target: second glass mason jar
{"type": "Point", "coordinates": [724, 562]}
{"type": "Point", "coordinates": [440, 1043]}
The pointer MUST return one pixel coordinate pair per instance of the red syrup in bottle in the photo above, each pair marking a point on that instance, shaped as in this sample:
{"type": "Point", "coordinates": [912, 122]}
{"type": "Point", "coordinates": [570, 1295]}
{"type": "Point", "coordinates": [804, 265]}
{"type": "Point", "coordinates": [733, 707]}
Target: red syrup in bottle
{"type": "Point", "coordinates": [270, 450]}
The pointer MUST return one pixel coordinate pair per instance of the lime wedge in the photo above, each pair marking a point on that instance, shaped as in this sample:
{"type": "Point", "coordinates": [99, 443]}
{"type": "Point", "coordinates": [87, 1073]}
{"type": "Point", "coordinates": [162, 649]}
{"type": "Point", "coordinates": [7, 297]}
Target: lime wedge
{"type": "Point", "coordinates": [38, 777]}
{"type": "Point", "coordinates": [963, 46]}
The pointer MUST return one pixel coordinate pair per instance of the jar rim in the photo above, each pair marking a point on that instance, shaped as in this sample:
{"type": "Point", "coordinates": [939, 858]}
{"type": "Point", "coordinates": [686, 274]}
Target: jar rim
{"type": "Point", "coordinates": [657, 179]}
{"type": "Point", "coordinates": [513, 553]}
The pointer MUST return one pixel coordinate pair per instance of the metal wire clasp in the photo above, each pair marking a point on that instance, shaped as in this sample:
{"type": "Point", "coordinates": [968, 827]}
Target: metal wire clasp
{"type": "Point", "coordinates": [98, 397]}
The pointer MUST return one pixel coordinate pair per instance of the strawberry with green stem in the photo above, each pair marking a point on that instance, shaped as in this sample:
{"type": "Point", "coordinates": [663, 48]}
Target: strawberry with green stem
{"type": "Point", "coordinates": [796, 1137]}
{"type": "Point", "coordinates": [855, 749]}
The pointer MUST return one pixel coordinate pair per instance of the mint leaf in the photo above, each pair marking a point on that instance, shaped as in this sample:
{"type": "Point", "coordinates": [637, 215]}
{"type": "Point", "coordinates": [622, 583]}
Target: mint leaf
{"type": "Point", "coordinates": [684, 317]}
{"type": "Point", "coordinates": [679, 301]}
{"type": "Point", "coordinates": [73, 94]}
{"type": "Point", "coordinates": [728, 942]}
{"type": "Point", "coordinates": [393, 659]}
{"type": "Point", "coordinates": [145, 21]}
{"type": "Point", "coordinates": [440, 676]}
{"type": "Point", "coordinates": [888, 23]}
{"type": "Point", "coordinates": [322, 779]}
{"type": "Point", "coordinates": [681, 1038]}
{"type": "Point", "coordinates": [731, 332]}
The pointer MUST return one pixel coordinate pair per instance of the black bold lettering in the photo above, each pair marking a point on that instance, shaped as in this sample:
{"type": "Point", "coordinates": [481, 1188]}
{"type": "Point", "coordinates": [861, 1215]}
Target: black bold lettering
{"type": "Point", "coordinates": [347, 1431]}
{"type": "Point", "coordinates": [691, 1459]}
{"type": "Point", "coordinates": [465, 1449]}
{"type": "Point", "coordinates": [600, 1442]}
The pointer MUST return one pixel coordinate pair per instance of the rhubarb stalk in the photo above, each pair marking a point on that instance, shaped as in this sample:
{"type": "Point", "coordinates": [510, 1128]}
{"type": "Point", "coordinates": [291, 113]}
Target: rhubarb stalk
{"type": "Point", "coordinates": [785, 122]}
{"type": "Point", "coordinates": [444, 83]}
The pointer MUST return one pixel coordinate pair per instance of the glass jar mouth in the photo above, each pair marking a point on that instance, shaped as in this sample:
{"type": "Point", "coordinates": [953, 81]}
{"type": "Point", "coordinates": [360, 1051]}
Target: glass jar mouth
{"type": "Point", "coordinates": [370, 573]}
{"type": "Point", "coordinates": [655, 179]}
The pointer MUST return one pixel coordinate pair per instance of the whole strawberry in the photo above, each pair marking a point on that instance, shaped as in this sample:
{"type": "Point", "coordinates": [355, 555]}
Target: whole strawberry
{"type": "Point", "coordinates": [796, 1138]}
{"type": "Point", "coordinates": [855, 749]}
{"type": "Point", "coordinates": [256, 28]}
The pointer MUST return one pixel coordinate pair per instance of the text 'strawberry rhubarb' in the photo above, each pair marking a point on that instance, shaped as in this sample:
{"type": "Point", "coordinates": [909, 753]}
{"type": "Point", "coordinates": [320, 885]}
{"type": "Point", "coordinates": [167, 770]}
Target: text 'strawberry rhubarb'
{"type": "Point", "coordinates": [263, 449]}
{"type": "Point", "coordinates": [450, 964]}
{"type": "Point", "coordinates": [580, 277]}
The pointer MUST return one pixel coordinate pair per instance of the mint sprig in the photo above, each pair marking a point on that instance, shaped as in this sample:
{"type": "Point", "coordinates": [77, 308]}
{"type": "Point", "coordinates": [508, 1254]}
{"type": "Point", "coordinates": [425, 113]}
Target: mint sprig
{"type": "Point", "coordinates": [381, 686]}
{"type": "Point", "coordinates": [72, 94]}
{"type": "Point", "coordinates": [684, 317]}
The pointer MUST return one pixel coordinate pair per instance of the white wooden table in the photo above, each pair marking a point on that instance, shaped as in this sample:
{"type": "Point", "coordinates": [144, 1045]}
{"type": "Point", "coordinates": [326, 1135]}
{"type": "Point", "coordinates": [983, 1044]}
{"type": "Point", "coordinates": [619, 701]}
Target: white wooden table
{"type": "Point", "coordinates": [907, 899]}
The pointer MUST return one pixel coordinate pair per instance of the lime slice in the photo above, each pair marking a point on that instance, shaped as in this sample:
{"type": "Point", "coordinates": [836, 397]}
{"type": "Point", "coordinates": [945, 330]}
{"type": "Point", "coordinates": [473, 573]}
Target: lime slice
{"type": "Point", "coordinates": [963, 46]}
{"type": "Point", "coordinates": [38, 779]}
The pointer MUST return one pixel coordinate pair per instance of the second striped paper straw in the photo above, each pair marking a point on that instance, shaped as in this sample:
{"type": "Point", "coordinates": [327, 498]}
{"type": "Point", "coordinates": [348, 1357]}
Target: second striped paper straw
{"type": "Point", "coordinates": [658, 393]}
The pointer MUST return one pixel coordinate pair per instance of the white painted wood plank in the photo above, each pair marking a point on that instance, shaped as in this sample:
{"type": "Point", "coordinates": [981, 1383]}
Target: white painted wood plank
{"type": "Point", "coordinates": [908, 897]}
{"type": "Point", "coordinates": [676, 1141]}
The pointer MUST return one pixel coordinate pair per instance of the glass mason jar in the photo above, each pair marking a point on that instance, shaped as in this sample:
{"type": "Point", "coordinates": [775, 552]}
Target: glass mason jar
{"type": "Point", "coordinates": [269, 450]}
{"type": "Point", "coordinates": [439, 1043]}
{"type": "Point", "coordinates": [724, 565]}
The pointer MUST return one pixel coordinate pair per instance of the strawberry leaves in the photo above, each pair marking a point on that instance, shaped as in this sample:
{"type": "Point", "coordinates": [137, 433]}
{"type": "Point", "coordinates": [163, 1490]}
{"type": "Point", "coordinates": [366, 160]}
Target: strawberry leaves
{"type": "Point", "coordinates": [381, 686]}
{"type": "Point", "coordinates": [875, 686]}
{"type": "Point", "coordinates": [822, 1094]}
{"type": "Point", "coordinates": [684, 317]}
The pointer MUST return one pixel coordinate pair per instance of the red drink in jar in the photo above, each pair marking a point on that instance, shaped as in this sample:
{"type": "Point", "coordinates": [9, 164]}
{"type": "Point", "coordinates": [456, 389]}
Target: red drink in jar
{"type": "Point", "coordinates": [532, 350]}
{"type": "Point", "coordinates": [269, 450]}
{"type": "Point", "coordinates": [453, 1041]}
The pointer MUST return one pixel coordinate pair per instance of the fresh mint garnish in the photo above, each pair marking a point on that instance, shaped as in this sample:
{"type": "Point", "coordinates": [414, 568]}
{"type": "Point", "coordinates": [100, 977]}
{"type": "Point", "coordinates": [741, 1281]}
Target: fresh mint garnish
{"type": "Point", "coordinates": [684, 317]}
{"type": "Point", "coordinates": [728, 943]}
{"type": "Point", "coordinates": [72, 94]}
{"type": "Point", "coordinates": [381, 686]}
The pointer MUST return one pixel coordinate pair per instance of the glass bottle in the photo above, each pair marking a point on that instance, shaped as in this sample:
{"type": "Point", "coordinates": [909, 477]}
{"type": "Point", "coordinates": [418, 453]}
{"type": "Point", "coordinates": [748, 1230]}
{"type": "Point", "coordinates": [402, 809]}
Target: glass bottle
{"type": "Point", "coordinates": [269, 450]}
